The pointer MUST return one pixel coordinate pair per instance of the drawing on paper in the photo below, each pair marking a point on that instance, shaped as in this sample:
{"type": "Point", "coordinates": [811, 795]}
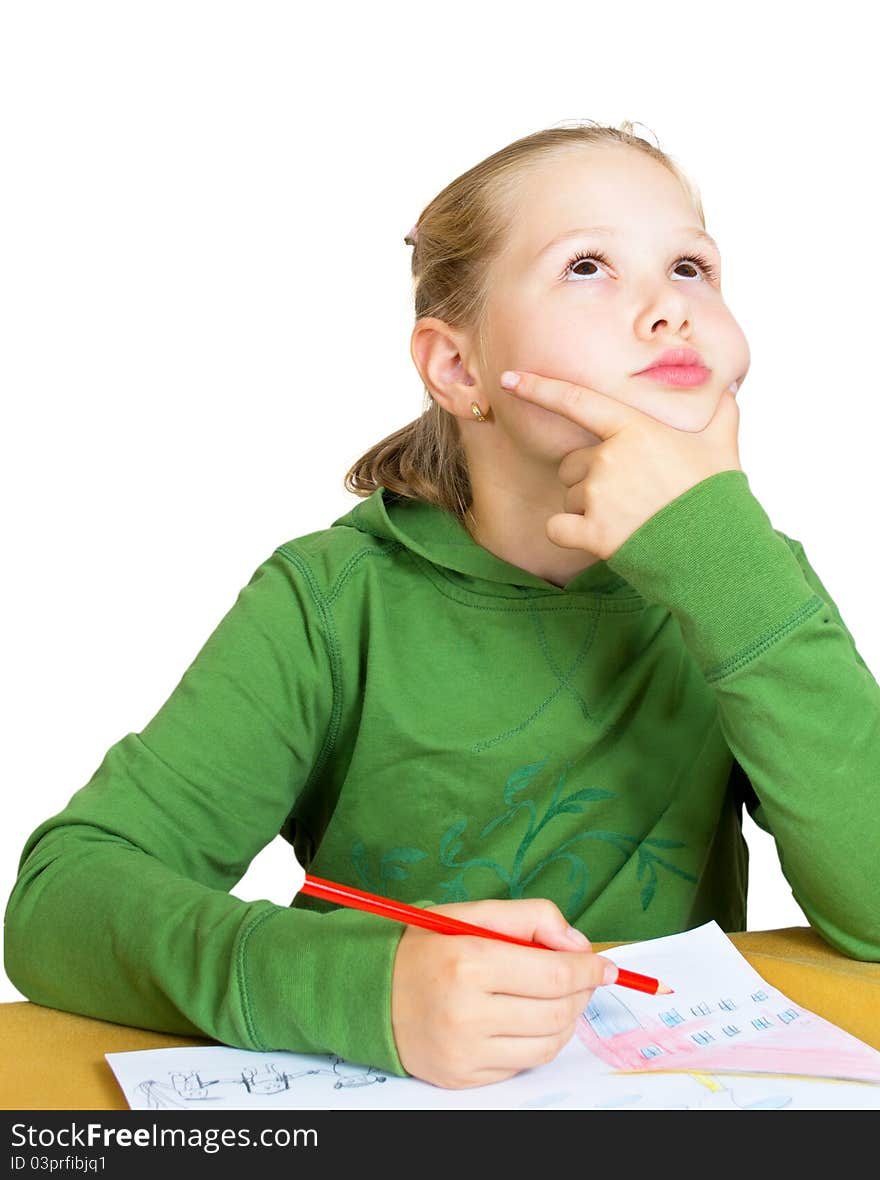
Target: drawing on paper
{"type": "Point", "coordinates": [187, 1087]}
{"type": "Point", "coordinates": [747, 1033]}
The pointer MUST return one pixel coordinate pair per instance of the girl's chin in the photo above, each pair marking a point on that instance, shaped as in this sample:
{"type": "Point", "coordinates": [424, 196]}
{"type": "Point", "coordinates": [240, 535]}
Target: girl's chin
{"type": "Point", "coordinates": [685, 409]}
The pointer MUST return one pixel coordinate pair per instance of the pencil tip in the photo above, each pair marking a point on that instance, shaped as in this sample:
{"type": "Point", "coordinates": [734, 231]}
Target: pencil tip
{"type": "Point", "coordinates": [663, 990]}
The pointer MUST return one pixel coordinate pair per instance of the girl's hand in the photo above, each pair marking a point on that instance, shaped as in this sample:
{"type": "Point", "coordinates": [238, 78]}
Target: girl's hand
{"type": "Point", "coordinates": [639, 467]}
{"type": "Point", "coordinates": [466, 1010]}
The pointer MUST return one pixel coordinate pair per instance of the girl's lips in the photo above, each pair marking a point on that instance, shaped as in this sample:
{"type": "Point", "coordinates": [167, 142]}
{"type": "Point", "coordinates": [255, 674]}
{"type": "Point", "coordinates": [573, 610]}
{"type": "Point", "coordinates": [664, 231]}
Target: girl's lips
{"type": "Point", "coordinates": [686, 375]}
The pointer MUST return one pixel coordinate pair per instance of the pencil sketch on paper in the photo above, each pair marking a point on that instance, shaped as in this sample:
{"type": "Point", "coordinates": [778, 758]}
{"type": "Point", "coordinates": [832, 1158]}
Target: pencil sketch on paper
{"type": "Point", "coordinates": [187, 1087]}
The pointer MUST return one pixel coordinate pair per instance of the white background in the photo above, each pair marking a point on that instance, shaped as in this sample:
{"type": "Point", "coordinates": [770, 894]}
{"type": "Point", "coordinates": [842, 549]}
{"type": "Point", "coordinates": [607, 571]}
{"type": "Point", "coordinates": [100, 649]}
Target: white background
{"type": "Point", "coordinates": [206, 303]}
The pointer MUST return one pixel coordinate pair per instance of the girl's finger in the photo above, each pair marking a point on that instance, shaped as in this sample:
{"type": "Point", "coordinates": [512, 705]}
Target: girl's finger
{"type": "Point", "coordinates": [518, 1053]}
{"type": "Point", "coordinates": [515, 1016]}
{"type": "Point", "coordinates": [539, 974]}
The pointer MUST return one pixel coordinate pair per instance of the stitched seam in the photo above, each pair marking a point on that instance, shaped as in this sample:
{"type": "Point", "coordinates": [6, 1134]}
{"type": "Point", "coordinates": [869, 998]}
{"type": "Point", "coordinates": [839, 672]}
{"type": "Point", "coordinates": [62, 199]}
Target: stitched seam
{"type": "Point", "coordinates": [627, 605]}
{"type": "Point", "coordinates": [768, 640]}
{"type": "Point", "coordinates": [524, 724]}
{"type": "Point", "coordinates": [349, 567]}
{"type": "Point", "coordinates": [563, 683]}
{"type": "Point", "coordinates": [596, 596]}
{"type": "Point", "coordinates": [328, 630]}
{"type": "Point", "coordinates": [246, 1006]}
{"type": "Point", "coordinates": [563, 677]}
{"type": "Point", "coordinates": [518, 606]}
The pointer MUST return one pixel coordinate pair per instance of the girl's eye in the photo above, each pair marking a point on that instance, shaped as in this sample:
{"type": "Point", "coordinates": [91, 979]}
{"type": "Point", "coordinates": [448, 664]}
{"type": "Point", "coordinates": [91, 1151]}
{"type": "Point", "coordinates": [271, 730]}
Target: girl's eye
{"type": "Point", "coordinates": [693, 260]}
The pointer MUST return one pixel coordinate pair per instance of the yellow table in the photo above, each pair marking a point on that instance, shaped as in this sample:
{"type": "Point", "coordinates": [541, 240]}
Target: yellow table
{"type": "Point", "coordinates": [55, 1061]}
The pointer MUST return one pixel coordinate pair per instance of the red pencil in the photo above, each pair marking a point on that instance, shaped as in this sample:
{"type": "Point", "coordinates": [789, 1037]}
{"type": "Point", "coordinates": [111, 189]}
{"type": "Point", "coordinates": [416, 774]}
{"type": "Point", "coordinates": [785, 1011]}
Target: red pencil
{"type": "Point", "coordinates": [442, 924]}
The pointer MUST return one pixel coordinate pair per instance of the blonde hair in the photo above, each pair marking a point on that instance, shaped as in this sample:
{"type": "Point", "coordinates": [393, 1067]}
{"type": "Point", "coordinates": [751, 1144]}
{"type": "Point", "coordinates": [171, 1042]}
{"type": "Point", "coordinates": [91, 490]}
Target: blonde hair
{"type": "Point", "coordinates": [458, 235]}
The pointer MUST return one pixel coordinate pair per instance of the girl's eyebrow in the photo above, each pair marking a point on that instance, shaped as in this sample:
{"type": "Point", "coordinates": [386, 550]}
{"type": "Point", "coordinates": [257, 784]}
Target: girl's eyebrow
{"type": "Point", "coordinates": [610, 231]}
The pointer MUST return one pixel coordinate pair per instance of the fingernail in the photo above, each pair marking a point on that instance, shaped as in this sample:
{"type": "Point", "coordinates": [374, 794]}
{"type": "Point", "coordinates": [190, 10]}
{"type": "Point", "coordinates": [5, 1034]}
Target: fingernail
{"type": "Point", "coordinates": [578, 937]}
{"type": "Point", "coordinates": [609, 975]}
{"type": "Point", "coordinates": [509, 379]}
{"type": "Point", "coordinates": [733, 387]}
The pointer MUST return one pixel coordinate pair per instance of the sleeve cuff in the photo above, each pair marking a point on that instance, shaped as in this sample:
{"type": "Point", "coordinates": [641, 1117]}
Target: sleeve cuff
{"type": "Point", "coordinates": [321, 983]}
{"type": "Point", "coordinates": [713, 558]}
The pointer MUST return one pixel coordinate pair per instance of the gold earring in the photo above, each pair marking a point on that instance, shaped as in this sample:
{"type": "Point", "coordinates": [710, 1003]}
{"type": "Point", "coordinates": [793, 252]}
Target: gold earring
{"type": "Point", "coordinates": [478, 413]}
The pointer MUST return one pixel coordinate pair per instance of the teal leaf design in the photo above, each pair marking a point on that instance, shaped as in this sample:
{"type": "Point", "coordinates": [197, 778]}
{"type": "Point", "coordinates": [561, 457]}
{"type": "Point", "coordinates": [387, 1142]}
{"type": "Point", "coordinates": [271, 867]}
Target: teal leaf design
{"type": "Point", "coordinates": [504, 818]}
{"type": "Point", "coordinates": [590, 795]}
{"type": "Point", "coordinates": [675, 869]}
{"type": "Point", "coordinates": [647, 868]}
{"type": "Point", "coordinates": [571, 803]}
{"type": "Point", "coordinates": [576, 868]}
{"type": "Point", "coordinates": [404, 855]}
{"type": "Point", "coordinates": [450, 845]}
{"type": "Point", "coordinates": [453, 890]}
{"type": "Point", "coordinates": [577, 874]}
{"type": "Point", "coordinates": [361, 864]}
{"type": "Point", "coordinates": [521, 778]}
{"type": "Point", "coordinates": [650, 886]}
{"type": "Point", "coordinates": [390, 865]}
{"type": "Point", "coordinates": [619, 842]}
{"type": "Point", "coordinates": [560, 783]}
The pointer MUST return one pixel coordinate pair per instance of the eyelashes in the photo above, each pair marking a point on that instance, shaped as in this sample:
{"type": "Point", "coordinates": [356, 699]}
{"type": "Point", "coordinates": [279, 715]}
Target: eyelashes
{"type": "Point", "coordinates": [708, 269]}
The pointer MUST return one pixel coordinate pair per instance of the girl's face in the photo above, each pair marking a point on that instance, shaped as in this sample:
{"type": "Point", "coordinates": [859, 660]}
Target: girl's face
{"type": "Point", "coordinates": [598, 322]}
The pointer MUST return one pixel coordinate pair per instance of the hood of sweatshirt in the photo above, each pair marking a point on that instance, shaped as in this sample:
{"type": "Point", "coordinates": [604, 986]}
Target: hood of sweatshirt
{"type": "Point", "coordinates": [439, 537]}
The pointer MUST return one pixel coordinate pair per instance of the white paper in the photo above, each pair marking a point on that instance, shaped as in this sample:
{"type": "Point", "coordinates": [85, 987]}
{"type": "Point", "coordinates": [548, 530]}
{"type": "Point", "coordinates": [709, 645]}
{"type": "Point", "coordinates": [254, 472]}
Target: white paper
{"type": "Point", "coordinates": [781, 1056]}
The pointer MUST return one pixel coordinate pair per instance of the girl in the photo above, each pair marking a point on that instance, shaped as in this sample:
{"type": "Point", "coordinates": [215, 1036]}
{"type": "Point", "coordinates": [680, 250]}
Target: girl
{"type": "Point", "coordinates": [530, 680]}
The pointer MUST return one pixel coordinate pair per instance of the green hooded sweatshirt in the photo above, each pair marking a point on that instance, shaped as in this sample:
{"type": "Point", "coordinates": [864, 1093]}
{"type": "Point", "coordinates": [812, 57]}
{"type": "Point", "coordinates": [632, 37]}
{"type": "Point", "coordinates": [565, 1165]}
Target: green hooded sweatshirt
{"type": "Point", "coordinates": [424, 720]}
